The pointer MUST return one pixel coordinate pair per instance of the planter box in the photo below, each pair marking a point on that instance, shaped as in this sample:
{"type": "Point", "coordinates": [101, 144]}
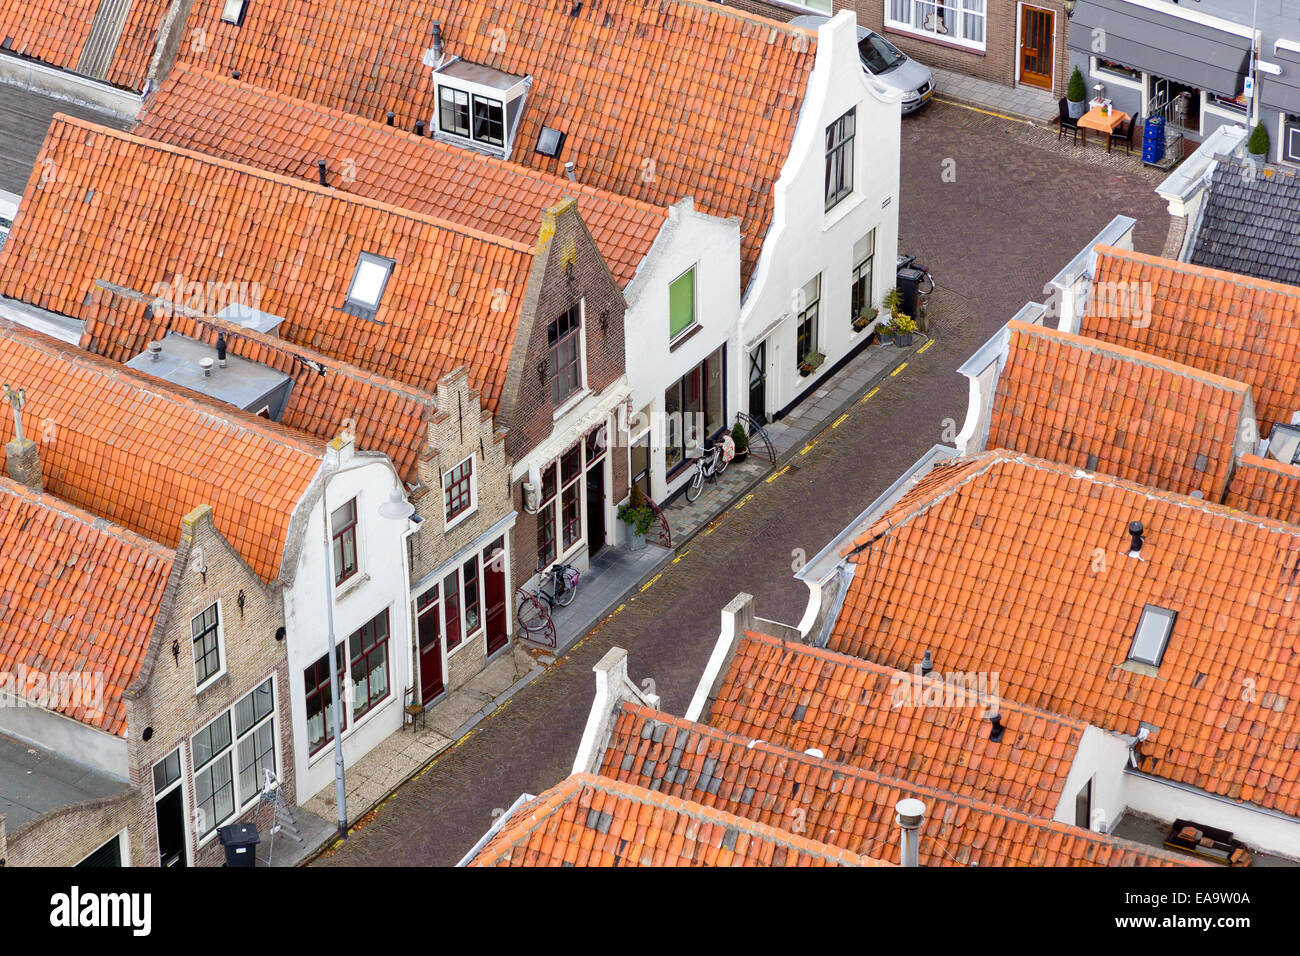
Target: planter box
{"type": "Point", "coordinates": [635, 542]}
{"type": "Point", "coordinates": [1076, 109]}
{"type": "Point", "coordinates": [904, 340]}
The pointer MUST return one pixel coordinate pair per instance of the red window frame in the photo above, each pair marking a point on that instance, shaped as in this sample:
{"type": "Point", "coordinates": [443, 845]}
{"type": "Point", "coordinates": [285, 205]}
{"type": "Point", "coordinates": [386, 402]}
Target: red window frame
{"type": "Point", "coordinates": [370, 639]}
{"type": "Point", "coordinates": [316, 683]}
{"type": "Point", "coordinates": [451, 601]}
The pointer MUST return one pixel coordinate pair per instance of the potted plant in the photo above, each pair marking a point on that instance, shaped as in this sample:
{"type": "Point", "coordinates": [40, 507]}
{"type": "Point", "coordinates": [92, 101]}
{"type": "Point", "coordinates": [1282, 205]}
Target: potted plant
{"type": "Point", "coordinates": [811, 363]}
{"type": "Point", "coordinates": [1075, 95]}
{"type": "Point", "coordinates": [1258, 142]}
{"type": "Point", "coordinates": [638, 516]}
{"type": "Point", "coordinates": [894, 301]}
{"type": "Point", "coordinates": [904, 326]}
{"type": "Point", "coordinates": [865, 317]}
{"type": "Point", "coordinates": [885, 332]}
{"type": "Point", "coordinates": [741, 439]}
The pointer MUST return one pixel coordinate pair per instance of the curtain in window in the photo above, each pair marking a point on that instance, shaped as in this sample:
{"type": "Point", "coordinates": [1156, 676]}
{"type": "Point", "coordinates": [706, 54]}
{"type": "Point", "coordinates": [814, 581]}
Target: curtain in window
{"type": "Point", "coordinates": [973, 20]}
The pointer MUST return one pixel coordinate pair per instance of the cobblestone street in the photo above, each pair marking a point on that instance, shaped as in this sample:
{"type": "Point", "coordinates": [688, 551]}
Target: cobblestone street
{"type": "Point", "coordinates": [1017, 210]}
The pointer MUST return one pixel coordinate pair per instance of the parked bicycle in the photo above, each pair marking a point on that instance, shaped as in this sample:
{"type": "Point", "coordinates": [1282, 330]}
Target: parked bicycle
{"type": "Point", "coordinates": [557, 586]}
{"type": "Point", "coordinates": [710, 463]}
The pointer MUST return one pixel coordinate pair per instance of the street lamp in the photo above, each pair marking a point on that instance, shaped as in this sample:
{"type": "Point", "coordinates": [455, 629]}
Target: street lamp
{"type": "Point", "coordinates": [396, 508]}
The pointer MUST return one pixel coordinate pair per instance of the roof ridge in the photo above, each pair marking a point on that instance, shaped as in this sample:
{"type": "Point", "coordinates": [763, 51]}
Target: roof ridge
{"type": "Point", "coordinates": [848, 769]}
{"type": "Point", "coordinates": [736, 13]}
{"type": "Point", "coordinates": [364, 122]}
{"type": "Point", "coordinates": [1264, 463]}
{"type": "Point", "coordinates": [1222, 275]}
{"type": "Point", "coordinates": [866, 664]}
{"type": "Point", "coordinates": [98, 524]}
{"type": "Point", "coordinates": [301, 185]}
{"type": "Point", "coordinates": [1100, 347]}
{"type": "Point", "coordinates": [229, 415]}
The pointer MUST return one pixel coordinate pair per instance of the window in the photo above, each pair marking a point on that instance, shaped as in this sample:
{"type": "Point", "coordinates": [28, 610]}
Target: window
{"type": "Point", "coordinates": [320, 709]}
{"type": "Point", "coordinates": [864, 254]}
{"type": "Point", "coordinates": [571, 497]}
{"type": "Point", "coordinates": [368, 650]}
{"type": "Point", "coordinates": [1284, 443]}
{"type": "Point", "coordinates": [1116, 69]}
{"type": "Point", "coordinates": [459, 489]}
{"type": "Point", "coordinates": [809, 299]}
{"type": "Point", "coordinates": [473, 614]}
{"type": "Point", "coordinates": [1152, 635]}
{"type": "Point", "coordinates": [167, 771]}
{"type": "Point", "coordinates": [214, 783]}
{"type": "Point", "coordinates": [1083, 806]}
{"type": "Point", "coordinates": [546, 519]}
{"type": "Point", "coordinates": [694, 408]}
{"type": "Point", "coordinates": [681, 304]}
{"type": "Point", "coordinates": [1291, 138]}
{"type": "Point", "coordinates": [565, 355]}
{"type": "Point", "coordinates": [839, 158]}
{"type": "Point", "coordinates": [206, 631]}
{"type": "Point", "coordinates": [343, 527]}
{"type": "Point", "coordinates": [878, 54]}
{"type": "Point", "coordinates": [367, 288]}
{"type": "Point", "coordinates": [1230, 104]}
{"type": "Point", "coordinates": [451, 589]}
{"type": "Point", "coordinates": [453, 111]}
{"type": "Point", "coordinates": [233, 12]}
{"type": "Point", "coordinates": [550, 142]}
{"type": "Point", "coordinates": [489, 121]}
{"type": "Point", "coordinates": [961, 21]}
{"type": "Point", "coordinates": [255, 740]}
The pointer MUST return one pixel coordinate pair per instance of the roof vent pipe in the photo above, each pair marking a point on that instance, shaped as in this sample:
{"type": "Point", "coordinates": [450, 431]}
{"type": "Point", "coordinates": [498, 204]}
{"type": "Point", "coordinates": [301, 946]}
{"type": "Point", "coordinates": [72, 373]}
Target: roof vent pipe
{"type": "Point", "coordinates": [568, 171]}
{"type": "Point", "coordinates": [911, 814]}
{"type": "Point", "coordinates": [221, 350]}
{"type": "Point", "coordinates": [419, 127]}
{"type": "Point", "coordinates": [995, 729]}
{"type": "Point", "coordinates": [321, 172]}
{"type": "Point", "coordinates": [206, 364]}
{"type": "Point", "coordinates": [927, 663]}
{"type": "Point", "coordinates": [437, 42]}
{"type": "Point", "coordinates": [1135, 546]}
{"type": "Point", "coordinates": [155, 351]}
{"type": "Point", "coordinates": [391, 117]}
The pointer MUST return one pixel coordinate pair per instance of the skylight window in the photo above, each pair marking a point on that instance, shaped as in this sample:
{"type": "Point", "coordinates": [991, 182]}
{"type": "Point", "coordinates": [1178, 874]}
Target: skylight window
{"type": "Point", "coordinates": [368, 282]}
{"type": "Point", "coordinates": [550, 142]}
{"type": "Point", "coordinates": [1284, 443]}
{"type": "Point", "coordinates": [1152, 635]}
{"type": "Point", "coordinates": [233, 12]}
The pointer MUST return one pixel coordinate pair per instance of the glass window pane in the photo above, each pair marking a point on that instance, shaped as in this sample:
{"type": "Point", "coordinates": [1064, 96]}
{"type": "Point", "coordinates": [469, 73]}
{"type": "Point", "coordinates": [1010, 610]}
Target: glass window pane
{"type": "Point", "coordinates": [681, 304]}
{"type": "Point", "coordinates": [714, 410]}
{"type": "Point", "coordinates": [471, 595]}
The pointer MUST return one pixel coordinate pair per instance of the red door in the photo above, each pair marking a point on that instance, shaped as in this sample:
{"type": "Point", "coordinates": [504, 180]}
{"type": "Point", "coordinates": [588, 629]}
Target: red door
{"type": "Point", "coordinates": [494, 596]}
{"type": "Point", "coordinates": [429, 630]}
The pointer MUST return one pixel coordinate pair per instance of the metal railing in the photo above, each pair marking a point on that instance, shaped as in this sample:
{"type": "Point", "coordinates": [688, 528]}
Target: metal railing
{"type": "Point", "coordinates": [755, 432]}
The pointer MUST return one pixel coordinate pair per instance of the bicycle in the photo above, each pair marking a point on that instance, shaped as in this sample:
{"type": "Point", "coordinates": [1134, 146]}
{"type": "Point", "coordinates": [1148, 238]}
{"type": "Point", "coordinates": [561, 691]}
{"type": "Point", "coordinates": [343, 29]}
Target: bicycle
{"type": "Point", "coordinates": [558, 585]}
{"type": "Point", "coordinates": [709, 463]}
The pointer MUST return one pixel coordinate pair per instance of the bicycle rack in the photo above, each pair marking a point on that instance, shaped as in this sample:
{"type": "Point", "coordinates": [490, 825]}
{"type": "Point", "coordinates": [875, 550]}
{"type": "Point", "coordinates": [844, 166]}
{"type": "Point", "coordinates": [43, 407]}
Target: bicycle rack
{"type": "Point", "coordinates": [544, 635]}
{"type": "Point", "coordinates": [756, 431]}
{"type": "Point", "coordinates": [665, 531]}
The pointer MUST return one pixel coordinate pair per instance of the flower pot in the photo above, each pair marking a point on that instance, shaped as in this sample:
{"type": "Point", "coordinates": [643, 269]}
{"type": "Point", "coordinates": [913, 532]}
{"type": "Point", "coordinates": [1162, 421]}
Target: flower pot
{"type": "Point", "coordinates": [635, 542]}
{"type": "Point", "coordinates": [903, 339]}
{"type": "Point", "coordinates": [1076, 108]}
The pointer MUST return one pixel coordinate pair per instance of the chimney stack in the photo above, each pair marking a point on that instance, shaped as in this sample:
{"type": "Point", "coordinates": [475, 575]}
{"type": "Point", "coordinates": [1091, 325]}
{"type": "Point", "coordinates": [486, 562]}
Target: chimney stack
{"type": "Point", "coordinates": [22, 460]}
{"type": "Point", "coordinates": [568, 171]}
{"type": "Point", "coordinates": [221, 350]}
{"type": "Point", "coordinates": [911, 814]}
{"type": "Point", "coordinates": [1135, 546]}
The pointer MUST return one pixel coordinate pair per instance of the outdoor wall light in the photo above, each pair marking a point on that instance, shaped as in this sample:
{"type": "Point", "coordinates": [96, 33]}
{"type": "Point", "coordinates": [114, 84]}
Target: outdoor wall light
{"type": "Point", "coordinates": [1069, 7]}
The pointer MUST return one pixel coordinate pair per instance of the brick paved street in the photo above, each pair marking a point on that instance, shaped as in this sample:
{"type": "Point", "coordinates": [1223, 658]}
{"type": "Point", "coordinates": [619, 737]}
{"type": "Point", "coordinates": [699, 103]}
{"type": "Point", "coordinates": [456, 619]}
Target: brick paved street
{"type": "Point", "coordinates": [1017, 212]}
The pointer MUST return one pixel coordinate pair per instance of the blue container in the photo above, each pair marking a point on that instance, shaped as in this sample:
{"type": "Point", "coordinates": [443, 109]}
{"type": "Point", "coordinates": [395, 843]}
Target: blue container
{"type": "Point", "coordinates": [1153, 139]}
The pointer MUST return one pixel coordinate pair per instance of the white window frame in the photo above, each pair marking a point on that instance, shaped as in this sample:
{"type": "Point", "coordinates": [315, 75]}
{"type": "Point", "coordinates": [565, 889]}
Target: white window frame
{"type": "Point", "coordinates": [960, 10]}
{"type": "Point", "coordinates": [221, 646]}
{"type": "Point", "coordinates": [583, 388]}
{"type": "Point", "coordinates": [238, 19]}
{"type": "Point", "coordinates": [362, 308]}
{"type": "Point", "coordinates": [241, 802]}
{"type": "Point", "coordinates": [694, 273]}
{"type": "Point", "coordinates": [1281, 141]}
{"type": "Point", "coordinates": [473, 492]}
{"type": "Point", "coordinates": [1098, 72]}
{"type": "Point", "coordinates": [228, 753]}
{"type": "Point", "coordinates": [186, 818]}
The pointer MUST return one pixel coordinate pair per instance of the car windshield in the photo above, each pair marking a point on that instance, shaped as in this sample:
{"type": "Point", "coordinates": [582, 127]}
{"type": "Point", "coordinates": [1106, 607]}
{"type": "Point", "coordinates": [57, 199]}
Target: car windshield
{"type": "Point", "coordinates": [878, 54]}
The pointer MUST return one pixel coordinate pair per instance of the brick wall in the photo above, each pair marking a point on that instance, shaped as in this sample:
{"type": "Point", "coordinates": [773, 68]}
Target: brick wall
{"type": "Point", "coordinates": [163, 698]}
{"type": "Point", "coordinates": [65, 836]}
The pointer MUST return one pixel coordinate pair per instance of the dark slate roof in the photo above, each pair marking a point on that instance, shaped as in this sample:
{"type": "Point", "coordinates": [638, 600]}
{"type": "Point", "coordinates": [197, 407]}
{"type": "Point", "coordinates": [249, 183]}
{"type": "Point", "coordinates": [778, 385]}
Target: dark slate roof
{"type": "Point", "coordinates": [1251, 222]}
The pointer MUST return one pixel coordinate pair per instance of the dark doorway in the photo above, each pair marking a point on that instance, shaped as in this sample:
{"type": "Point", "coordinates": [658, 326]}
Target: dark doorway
{"type": "Point", "coordinates": [494, 593]}
{"type": "Point", "coordinates": [170, 811]}
{"type": "Point", "coordinates": [595, 509]}
{"type": "Point", "coordinates": [429, 630]}
{"type": "Point", "coordinates": [758, 384]}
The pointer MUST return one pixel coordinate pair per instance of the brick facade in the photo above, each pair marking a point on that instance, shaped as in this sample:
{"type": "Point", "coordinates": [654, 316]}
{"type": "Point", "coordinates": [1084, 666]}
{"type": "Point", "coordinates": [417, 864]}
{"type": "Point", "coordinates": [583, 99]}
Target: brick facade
{"type": "Point", "coordinates": [65, 836]}
{"type": "Point", "coordinates": [996, 62]}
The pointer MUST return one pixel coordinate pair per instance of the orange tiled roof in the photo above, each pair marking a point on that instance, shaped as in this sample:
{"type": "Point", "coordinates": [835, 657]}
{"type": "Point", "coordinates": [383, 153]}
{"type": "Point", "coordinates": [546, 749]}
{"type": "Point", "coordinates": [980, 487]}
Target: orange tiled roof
{"type": "Point", "coordinates": [1021, 566]}
{"type": "Point", "coordinates": [138, 214]}
{"type": "Point", "coordinates": [327, 396]}
{"type": "Point", "coordinates": [78, 599]}
{"type": "Point", "coordinates": [658, 100]}
{"type": "Point", "coordinates": [587, 820]}
{"type": "Point", "coordinates": [801, 697]}
{"type": "Point", "coordinates": [842, 805]}
{"type": "Point", "coordinates": [211, 114]}
{"type": "Point", "coordinates": [1232, 325]}
{"type": "Point", "coordinates": [1067, 398]}
{"type": "Point", "coordinates": [56, 32]}
{"type": "Point", "coordinates": [143, 454]}
{"type": "Point", "coordinates": [1265, 486]}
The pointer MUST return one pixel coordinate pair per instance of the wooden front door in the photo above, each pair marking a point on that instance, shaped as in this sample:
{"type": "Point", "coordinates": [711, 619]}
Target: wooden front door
{"type": "Point", "coordinates": [494, 596]}
{"type": "Point", "coordinates": [1037, 46]}
{"type": "Point", "coordinates": [429, 630]}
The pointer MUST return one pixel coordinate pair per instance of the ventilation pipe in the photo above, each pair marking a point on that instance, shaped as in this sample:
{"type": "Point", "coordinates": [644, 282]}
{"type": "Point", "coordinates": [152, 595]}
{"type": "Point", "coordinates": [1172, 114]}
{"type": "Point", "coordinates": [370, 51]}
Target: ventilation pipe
{"type": "Point", "coordinates": [911, 814]}
{"type": "Point", "coordinates": [927, 663]}
{"type": "Point", "coordinates": [419, 127]}
{"type": "Point", "coordinates": [206, 364]}
{"type": "Point", "coordinates": [221, 350]}
{"type": "Point", "coordinates": [437, 42]}
{"type": "Point", "coordinates": [1135, 546]}
{"type": "Point", "coordinates": [321, 171]}
{"type": "Point", "coordinates": [391, 116]}
{"type": "Point", "coordinates": [568, 171]}
{"type": "Point", "coordinates": [155, 351]}
{"type": "Point", "coordinates": [995, 726]}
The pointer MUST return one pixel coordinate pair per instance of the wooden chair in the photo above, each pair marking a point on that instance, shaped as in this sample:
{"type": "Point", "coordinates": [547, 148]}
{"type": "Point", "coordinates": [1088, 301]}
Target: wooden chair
{"type": "Point", "coordinates": [1127, 135]}
{"type": "Point", "coordinates": [1067, 122]}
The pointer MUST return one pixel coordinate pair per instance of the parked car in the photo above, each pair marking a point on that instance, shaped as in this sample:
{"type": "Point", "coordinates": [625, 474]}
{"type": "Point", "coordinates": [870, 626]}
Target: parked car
{"type": "Point", "coordinates": [887, 63]}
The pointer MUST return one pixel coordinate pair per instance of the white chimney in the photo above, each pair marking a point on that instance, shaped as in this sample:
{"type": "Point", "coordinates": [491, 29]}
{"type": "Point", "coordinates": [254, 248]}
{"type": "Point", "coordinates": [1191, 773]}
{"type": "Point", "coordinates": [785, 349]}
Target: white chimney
{"type": "Point", "coordinates": [911, 814]}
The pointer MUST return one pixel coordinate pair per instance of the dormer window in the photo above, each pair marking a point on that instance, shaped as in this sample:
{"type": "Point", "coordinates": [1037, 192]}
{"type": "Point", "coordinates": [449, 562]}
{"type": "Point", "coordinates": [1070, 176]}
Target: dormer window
{"type": "Point", "coordinates": [478, 106]}
{"type": "Point", "coordinates": [233, 12]}
{"type": "Point", "coordinates": [1152, 635]}
{"type": "Point", "coordinates": [367, 288]}
{"type": "Point", "coordinates": [1284, 443]}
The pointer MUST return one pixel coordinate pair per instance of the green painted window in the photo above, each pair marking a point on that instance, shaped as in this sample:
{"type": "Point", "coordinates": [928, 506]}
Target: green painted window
{"type": "Point", "coordinates": [681, 304]}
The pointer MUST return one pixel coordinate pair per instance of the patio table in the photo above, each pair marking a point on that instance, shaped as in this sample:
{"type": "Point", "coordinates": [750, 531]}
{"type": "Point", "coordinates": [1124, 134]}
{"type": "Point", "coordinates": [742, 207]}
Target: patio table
{"type": "Point", "coordinates": [1102, 122]}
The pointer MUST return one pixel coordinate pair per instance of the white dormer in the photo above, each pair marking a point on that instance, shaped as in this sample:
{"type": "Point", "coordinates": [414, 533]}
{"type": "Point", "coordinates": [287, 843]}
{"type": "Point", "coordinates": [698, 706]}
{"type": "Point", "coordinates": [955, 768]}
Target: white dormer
{"type": "Point", "coordinates": [478, 106]}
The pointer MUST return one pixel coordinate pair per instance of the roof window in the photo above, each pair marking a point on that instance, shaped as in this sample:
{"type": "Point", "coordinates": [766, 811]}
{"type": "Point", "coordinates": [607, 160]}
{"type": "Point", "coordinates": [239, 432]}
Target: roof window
{"type": "Point", "coordinates": [1152, 635]}
{"type": "Point", "coordinates": [368, 282]}
{"type": "Point", "coordinates": [550, 142]}
{"type": "Point", "coordinates": [480, 106]}
{"type": "Point", "coordinates": [233, 12]}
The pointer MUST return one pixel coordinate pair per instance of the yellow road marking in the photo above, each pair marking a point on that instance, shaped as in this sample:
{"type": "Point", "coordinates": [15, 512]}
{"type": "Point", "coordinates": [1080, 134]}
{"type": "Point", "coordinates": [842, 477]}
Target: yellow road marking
{"type": "Point", "coordinates": [652, 580]}
{"type": "Point", "coordinates": [870, 393]}
{"type": "Point", "coordinates": [740, 504]}
{"type": "Point", "coordinates": [619, 608]}
{"type": "Point", "coordinates": [924, 347]}
{"type": "Point", "coordinates": [777, 474]}
{"type": "Point", "coordinates": [839, 421]}
{"type": "Point", "coordinates": [808, 447]}
{"type": "Point", "coordinates": [897, 370]}
{"type": "Point", "coordinates": [976, 109]}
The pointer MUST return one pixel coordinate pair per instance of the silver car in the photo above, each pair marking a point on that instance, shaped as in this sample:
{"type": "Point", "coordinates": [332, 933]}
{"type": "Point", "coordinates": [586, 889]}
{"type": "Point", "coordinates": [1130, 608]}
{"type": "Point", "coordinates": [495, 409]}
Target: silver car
{"type": "Point", "coordinates": [887, 63]}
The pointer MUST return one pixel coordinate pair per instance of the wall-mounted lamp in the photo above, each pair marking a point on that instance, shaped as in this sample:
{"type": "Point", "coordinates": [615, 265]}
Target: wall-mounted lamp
{"type": "Point", "coordinates": [1069, 7]}
{"type": "Point", "coordinates": [176, 652]}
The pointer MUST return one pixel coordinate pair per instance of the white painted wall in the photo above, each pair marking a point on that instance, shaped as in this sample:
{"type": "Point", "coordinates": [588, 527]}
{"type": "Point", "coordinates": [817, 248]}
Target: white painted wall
{"type": "Point", "coordinates": [803, 240]}
{"type": "Point", "coordinates": [1101, 757]}
{"type": "Point", "coordinates": [382, 582]}
{"type": "Point", "coordinates": [712, 245]}
{"type": "Point", "coordinates": [70, 739]}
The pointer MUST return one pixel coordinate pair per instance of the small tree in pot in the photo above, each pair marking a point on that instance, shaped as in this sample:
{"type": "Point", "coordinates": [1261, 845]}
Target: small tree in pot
{"type": "Point", "coordinates": [639, 517]}
{"type": "Point", "coordinates": [741, 439]}
{"type": "Point", "coordinates": [1076, 94]}
{"type": "Point", "coordinates": [1258, 142]}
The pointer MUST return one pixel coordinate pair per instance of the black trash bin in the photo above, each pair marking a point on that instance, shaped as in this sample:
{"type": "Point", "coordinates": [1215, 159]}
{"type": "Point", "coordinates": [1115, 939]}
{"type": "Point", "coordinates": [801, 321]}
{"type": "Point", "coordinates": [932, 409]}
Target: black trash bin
{"type": "Point", "coordinates": [240, 841]}
{"type": "Point", "coordinates": [915, 284]}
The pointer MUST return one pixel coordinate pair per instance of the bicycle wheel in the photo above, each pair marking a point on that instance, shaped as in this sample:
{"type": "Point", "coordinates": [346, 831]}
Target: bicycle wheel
{"type": "Point", "coordinates": [531, 615]}
{"type": "Point", "coordinates": [695, 484]}
{"type": "Point", "coordinates": [722, 463]}
{"type": "Point", "coordinates": [565, 598]}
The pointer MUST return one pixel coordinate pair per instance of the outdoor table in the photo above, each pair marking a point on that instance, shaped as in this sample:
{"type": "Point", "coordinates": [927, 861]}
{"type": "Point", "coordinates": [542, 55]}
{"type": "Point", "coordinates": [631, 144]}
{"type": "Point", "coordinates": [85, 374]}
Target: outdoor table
{"type": "Point", "coordinates": [1102, 122]}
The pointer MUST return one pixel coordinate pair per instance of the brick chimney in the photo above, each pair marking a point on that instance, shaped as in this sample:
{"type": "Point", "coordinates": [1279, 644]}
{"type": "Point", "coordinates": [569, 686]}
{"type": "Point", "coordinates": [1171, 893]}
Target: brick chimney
{"type": "Point", "coordinates": [22, 461]}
